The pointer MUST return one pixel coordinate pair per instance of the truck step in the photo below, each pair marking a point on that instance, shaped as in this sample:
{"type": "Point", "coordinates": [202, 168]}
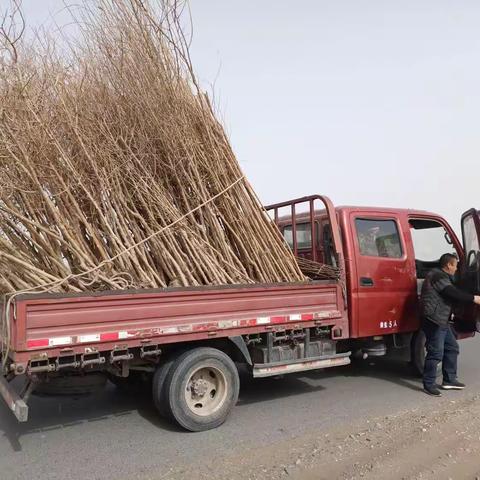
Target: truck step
{"type": "Point", "coordinates": [300, 365]}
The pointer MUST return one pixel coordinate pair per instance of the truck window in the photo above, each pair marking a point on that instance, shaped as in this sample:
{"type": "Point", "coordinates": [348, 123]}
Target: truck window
{"type": "Point", "coordinates": [378, 238]}
{"type": "Point", "coordinates": [470, 235]}
{"type": "Point", "coordinates": [304, 235]}
{"type": "Point", "coordinates": [430, 242]}
{"type": "Point", "coordinates": [328, 246]}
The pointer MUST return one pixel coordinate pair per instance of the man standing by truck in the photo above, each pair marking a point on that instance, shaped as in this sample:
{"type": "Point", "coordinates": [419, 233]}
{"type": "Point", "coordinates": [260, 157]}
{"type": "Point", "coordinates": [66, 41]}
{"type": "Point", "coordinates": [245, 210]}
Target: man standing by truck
{"type": "Point", "coordinates": [437, 298]}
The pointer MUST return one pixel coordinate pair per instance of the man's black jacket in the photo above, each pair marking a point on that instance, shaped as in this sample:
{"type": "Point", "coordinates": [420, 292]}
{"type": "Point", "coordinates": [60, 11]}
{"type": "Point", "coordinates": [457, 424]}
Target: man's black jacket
{"type": "Point", "coordinates": [438, 296]}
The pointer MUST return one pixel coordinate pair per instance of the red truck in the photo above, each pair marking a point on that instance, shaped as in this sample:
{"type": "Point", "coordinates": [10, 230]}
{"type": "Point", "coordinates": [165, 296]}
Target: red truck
{"type": "Point", "coordinates": [191, 340]}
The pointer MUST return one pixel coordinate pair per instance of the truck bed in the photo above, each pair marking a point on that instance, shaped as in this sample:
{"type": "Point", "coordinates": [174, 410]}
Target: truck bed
{"type": "Point", "coordinates": [51, 325]}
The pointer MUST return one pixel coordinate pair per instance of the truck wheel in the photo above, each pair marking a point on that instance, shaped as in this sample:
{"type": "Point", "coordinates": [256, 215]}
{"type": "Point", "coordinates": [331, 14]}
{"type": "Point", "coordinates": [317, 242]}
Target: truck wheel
{"type": "Point", "coordinates": [419, 352]}
{"type": "Point", "coordinates": [158, 388]}
{"type": "Point", "coordinates": [201, 388]}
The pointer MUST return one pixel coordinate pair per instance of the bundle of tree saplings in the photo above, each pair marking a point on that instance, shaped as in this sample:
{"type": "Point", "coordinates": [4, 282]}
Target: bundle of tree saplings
{"type": "Point", "coordinates": [318, 271]}
{"type": "Point", "coordinates": [114, 170]}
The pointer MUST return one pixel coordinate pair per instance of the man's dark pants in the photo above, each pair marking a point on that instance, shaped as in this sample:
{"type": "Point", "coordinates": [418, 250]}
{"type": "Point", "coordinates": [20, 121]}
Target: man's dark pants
{"type": "Point", "coordinates": [442, 346]}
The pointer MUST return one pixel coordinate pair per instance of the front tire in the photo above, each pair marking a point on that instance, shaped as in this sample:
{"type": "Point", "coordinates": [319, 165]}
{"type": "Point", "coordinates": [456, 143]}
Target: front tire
{"type": "Point", "coordinates": [419, 353]}
{"type": "Point", "coordinates": [201, 388]}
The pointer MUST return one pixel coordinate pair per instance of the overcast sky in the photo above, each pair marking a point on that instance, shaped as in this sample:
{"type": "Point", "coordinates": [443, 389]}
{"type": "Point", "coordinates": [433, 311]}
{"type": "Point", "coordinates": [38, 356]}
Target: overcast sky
{"type": "Point", "coordinates": [369, 102]}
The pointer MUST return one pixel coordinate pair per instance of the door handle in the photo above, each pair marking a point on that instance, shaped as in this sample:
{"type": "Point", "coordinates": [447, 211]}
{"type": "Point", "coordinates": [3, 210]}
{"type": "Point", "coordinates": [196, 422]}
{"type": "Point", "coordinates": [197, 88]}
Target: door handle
{"type": "Point", "coordinates": [366, 282]}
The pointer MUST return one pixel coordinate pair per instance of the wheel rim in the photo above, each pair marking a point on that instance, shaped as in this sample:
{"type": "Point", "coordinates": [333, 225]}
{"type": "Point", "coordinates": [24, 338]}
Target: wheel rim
{"type": "Point", "coordinates": [206, 390]}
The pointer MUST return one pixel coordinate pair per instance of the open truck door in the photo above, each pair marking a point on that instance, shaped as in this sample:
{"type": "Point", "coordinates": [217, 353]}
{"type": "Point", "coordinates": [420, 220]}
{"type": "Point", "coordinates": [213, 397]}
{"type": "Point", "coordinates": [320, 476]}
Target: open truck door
{"type": "Point", "coordinates": [468, 318]}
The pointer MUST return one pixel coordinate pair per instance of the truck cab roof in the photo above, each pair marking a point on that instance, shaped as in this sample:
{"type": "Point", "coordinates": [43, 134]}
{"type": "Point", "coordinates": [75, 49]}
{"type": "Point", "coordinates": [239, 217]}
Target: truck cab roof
{"type": "Point", "coordinates": [345, 210]}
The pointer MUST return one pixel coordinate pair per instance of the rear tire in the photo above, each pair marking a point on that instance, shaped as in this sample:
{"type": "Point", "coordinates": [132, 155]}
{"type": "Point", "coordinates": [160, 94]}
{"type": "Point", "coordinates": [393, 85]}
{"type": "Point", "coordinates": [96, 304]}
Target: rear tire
{"type": "Point", "coordinates": [158, 388]}
{"type": "Point", "coordinates": [201, 388]}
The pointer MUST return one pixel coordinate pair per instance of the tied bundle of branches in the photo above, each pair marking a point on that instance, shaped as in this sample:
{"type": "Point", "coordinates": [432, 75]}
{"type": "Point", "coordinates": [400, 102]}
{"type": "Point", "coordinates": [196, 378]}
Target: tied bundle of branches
{"type": "Point", "coordinates": [114, 171]}
{"type": "Point", "coordinates": [318, 271]}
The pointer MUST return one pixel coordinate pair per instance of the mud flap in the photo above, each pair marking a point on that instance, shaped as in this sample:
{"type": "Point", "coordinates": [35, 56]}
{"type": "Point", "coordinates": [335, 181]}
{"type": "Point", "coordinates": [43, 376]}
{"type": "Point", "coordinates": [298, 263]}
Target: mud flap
{"type": "Point", "coordinates": [15, 403]}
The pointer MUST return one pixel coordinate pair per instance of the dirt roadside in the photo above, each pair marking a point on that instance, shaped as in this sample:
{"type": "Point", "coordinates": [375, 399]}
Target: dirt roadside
{"type": "Point", "coordinates": [440, 440]}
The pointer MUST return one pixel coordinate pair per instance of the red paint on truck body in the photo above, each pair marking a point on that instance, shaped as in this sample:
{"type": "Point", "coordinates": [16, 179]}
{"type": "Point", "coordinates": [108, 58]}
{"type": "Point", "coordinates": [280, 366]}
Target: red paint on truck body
{"type": "Point", "coordinates": [393, 298]}
{"type": "Point", "coordinates": [55, 323]}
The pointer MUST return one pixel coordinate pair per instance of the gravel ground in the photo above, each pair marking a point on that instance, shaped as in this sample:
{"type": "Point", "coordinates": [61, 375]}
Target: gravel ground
{"type": "Point", "coordinates": [442, 442]}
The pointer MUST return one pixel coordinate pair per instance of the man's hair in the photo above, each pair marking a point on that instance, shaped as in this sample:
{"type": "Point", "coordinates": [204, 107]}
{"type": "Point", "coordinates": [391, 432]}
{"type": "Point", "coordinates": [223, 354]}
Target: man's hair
{"type": "Point", "coordinates": [446, 259]}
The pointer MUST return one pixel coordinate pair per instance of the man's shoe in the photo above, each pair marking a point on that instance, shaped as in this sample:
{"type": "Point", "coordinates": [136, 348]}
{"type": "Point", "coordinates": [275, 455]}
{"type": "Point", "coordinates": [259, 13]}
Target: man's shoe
{"type": "Point", "coordinates": [455, 385]}
{"type": "Point", "coordinates": [433, 391]}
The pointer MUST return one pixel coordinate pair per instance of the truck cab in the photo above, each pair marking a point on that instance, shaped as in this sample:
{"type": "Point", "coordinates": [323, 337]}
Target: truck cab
{"type": "Point", "coordinates": [387, 253]}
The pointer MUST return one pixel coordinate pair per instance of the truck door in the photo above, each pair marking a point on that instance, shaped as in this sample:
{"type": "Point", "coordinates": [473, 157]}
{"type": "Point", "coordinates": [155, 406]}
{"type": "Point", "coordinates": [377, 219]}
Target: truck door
{"type": "Point", "coordinates": [468, 318]}
{"type": "Point", "coordinates": [386, 284]}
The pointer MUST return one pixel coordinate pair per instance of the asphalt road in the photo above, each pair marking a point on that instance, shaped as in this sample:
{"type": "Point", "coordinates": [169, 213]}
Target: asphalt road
{"type": "Point", "coordinates": [111, 435]}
